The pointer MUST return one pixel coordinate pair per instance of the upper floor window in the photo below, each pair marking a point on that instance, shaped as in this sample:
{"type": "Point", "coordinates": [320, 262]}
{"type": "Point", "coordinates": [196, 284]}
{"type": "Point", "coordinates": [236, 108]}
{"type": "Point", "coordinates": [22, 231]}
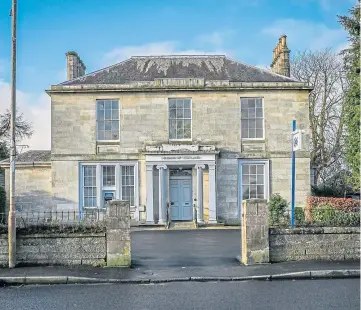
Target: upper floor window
{"type": "Point", "coordinates": [107, 120]}
{"type": "Point", "coordinates": [252, 119]}
{"type": "Point", "coordinates": [180, 119]}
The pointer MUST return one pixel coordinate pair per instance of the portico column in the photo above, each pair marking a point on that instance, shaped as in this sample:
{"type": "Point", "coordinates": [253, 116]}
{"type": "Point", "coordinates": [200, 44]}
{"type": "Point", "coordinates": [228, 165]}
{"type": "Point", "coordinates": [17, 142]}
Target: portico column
{"type": "Point", "coordinates": [149, 189]}
{"type": "Point", "coordinates": [200, 192]}
{"type": "Point", "coordinates": [212, 194]}
{"type": "Point", "coordinates": [162, 192]}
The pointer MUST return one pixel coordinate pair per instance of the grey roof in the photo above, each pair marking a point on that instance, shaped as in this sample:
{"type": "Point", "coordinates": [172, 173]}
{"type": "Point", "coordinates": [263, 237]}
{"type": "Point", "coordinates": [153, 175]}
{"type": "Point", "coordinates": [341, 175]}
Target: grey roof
{"type": "Point", "coordinates": [30, 157]}
{"type": "Point", "coordinates": [149, 68]}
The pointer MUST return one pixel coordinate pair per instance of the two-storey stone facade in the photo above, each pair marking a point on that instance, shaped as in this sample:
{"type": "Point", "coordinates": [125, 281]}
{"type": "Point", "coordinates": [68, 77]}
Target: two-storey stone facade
{"type": "Point", "coordinates": [191, 131]}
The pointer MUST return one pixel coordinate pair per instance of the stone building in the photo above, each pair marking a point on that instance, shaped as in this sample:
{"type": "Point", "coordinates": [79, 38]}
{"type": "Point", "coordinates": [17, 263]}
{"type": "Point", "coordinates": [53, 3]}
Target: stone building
{"type": "Point", "coordinates": [200, 131]}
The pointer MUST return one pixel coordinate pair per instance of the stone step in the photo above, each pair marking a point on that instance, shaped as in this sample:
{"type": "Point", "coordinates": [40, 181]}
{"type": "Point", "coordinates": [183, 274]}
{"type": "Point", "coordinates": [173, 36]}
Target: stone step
{"type": "Point", "coordinates": [182, 225]}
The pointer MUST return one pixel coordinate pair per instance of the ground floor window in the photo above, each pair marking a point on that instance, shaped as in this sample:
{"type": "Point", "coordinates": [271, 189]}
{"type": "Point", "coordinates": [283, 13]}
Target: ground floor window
{"type": "Point", "coordinates": [102, 182]}
{"type": "Point", "coordinates": [253, 179]}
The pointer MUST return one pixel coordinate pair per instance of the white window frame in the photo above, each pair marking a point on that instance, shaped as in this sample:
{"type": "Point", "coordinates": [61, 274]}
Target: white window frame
{"type": "Point", "coordinates": [263, 120]}
{"type": "Point", "coordinates": [118, 183]}
{"type": "Point", "coordinates": [267, 180]}
{"type": "Point", "coordinates": [191, 108]}
{"type": "Point", "coordinates": [96, 119]}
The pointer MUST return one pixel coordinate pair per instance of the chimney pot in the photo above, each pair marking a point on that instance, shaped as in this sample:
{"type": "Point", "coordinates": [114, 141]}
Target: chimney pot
{"type": "Point", "coordinates": [281, 59]}
{"type": "Point", "coordinates": [75, 66]}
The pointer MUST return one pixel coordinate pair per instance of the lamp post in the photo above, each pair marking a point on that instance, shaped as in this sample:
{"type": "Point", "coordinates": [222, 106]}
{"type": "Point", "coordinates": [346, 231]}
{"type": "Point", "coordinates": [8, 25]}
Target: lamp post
{"type": "Point", "coordinates": [12, 212]}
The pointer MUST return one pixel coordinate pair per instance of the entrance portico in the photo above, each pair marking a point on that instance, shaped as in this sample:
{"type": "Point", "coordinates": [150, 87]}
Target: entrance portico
{"type": "Point", "coordinates": [173, 166]}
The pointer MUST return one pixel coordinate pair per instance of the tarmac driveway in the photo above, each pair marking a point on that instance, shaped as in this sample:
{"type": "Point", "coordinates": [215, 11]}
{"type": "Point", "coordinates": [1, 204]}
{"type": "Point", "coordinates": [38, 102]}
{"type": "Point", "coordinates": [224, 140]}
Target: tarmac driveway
{"type": "Point", "coordinates": [185, 248]}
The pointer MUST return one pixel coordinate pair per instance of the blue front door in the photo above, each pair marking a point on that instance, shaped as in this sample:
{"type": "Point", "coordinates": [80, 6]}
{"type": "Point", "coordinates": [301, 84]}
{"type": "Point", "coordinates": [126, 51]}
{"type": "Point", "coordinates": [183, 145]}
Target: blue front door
{"type": "Point", "coordinates": [181, 198]}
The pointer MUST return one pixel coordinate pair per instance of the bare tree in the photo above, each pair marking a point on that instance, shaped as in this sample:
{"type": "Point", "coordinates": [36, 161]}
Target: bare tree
{"type": "Point", "coordinates": [324, 71]}
{"type": "Point", "coordinates": [23, 129]}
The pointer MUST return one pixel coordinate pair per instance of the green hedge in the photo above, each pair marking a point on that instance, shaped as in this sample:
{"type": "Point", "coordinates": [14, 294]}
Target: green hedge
{"type": "Point", "coordinates": [327, 215]}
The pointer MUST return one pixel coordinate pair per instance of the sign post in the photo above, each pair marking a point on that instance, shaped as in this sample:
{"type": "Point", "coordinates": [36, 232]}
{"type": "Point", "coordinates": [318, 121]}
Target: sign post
{"type": "Point", "coordinates": [296, 145]}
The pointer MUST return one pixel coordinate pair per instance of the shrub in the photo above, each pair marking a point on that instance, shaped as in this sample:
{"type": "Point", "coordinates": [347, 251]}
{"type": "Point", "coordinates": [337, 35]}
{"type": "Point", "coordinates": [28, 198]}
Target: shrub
{"type": "Point", "coordinates": [323, 213]}
{"type": "Point", "coordinates": [299, 216]}
{"type": "Point", "coordinates": [326, 191]}
{"type": "Point", "coordinates": [277, 209]}
{"type": "Point", "coordinates": [341, 204]}
{"type": "Point", "coordinates": [335, 218]}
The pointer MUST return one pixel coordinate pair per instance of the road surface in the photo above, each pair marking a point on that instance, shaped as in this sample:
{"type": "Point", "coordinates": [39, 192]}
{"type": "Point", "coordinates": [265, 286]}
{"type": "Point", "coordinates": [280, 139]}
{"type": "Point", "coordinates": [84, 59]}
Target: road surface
{"type": "Point", "coordinates": [278, 295]}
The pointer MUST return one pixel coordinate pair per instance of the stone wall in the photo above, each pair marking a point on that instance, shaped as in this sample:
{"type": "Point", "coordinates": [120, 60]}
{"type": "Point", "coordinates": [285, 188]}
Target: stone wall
{"type": "Point", "coordinates": [56, 249]}
{"type": "Point", "coordinates": [33, 188]}
{"type": "Point", "coordinates": [324, 243]}
{"type": "Point", "coordinates": [112, 247]}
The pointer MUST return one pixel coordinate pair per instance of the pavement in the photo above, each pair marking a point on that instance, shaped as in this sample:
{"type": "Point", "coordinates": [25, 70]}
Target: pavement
{"type": "Point", "coordinates": [177, 256]}
{"type": "Point", "coordinates": [247, 295]}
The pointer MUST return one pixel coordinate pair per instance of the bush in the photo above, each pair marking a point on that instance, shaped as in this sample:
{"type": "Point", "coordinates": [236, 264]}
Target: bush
{"type": "Point", "coordinates": [299, 216]}
{"type": "Point", "coordinates": [323, 213]}
{"type": "Point", "coordinates": [277, 209]}
{"type": "Point", "coordinates": [326, 191]}
{"type": "Point", "coordinates": [328, 216]}
{"type": "Point", "coordinates": [341, 204]}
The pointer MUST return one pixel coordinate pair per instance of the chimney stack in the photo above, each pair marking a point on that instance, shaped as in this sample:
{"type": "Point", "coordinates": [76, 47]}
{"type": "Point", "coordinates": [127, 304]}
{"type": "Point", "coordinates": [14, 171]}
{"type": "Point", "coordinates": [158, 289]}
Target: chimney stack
{"type": "Point", "coordinates": [75, 66]}
{"type": "Point", "coordinates": [281, 58]}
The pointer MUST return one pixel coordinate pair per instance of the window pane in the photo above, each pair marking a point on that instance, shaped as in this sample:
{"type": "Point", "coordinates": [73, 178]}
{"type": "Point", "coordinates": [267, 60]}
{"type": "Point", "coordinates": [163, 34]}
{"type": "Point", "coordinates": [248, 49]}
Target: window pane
{"type": "Point", "coordinates": [260, 169]}
{"type": "Point", "coordinates": [172, 103]}
{"type": "Point", "coordinates": [258, 103]}
{"type": "Point", "coordinates": [252, 133]}
{"type": "Point", "coordinates": [172, 113]}
{"type": "Point", "coordinates": [251, 103]}
{"type": "Point", "coordinates": [253, 192]}
{"type": "Point", "coordinates": [180, 129]}
{"type": "Point", "coordinates": [109, 175]}
{"type": "Point", "coordinates": [108, 114]}
{"type": "Point", "coordinates": [244, 103]}
{"type": "Point", "coordinates": [115, 135]}
{"type": "Point", "coordinates": [115, 114]}
{"type": "Point", "coordinates": [260, 179]}
{"type": "Point", "coordinates": [114, 104]}
{"type": "Point", "coordinates": [251, 113]}
{"type": "Point", "coordinates": [100, 134]}
{"type": "Point", "coordinates": [253, 179]}
{"type": "Point", "coordinates": [245, 192]}
{"type": "Point", "coordinates": [253, 169]}
{"type": "Point", "coordinates": [180, 113]}
{"type": "Point", "coordinates": [115, 125]}
{"type": "Point", "coordinates": [108, 105]}
{"type": "Point", "coordinates": [245, 179]}
{"type": "Point", "coordinates": [245, 169]}
{"type": "Point", "coordinates": [187, 129]}
{"type": "Point", "coordinates": [172, 129]}
{"type": "Point", "coordinates": [108, 125]}
{"type": "Point", "coordinates": [100, 115]}
{"type": "Point", "coordinates": [260, 189]}
{"type": "Point", "coordinates": [100, 125]}
{"type": "Point", "coordinates": [252, 124]}
{"type": "Point", "coordinates": [180, 104]}
{"type": "Point", "coordinates": [259, 112]}
{"type": "Point", "coordinates": [187, 104]}
{"type": "Point", "coordinates": [259, 123]}
{"type": "Point", "coordinates": [187, 113]}
{"type": "Point", "coordinates": [244, 113]}
{"type": "Point", "coordinates": [259, 133]}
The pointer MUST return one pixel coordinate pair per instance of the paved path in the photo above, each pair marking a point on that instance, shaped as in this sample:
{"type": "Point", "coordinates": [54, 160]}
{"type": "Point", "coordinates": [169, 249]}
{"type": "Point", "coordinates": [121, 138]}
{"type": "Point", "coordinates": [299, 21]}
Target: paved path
{"type": "Point", "coordinates": [162, 249]}
{"type": "Point", "coordinates": [285, 295]}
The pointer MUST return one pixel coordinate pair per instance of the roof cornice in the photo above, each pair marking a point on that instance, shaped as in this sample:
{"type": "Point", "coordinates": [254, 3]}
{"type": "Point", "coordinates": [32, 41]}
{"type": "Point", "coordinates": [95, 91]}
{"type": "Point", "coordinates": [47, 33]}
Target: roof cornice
{"type": "Point", "coordinates": [176, 84]}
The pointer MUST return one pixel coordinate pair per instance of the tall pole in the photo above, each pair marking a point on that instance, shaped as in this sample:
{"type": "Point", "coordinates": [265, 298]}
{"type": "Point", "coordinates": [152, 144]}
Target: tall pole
{"type": "Point", "coordinates": [12, 214]}
{"type": "Point", "coordinates": [293, 179]}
